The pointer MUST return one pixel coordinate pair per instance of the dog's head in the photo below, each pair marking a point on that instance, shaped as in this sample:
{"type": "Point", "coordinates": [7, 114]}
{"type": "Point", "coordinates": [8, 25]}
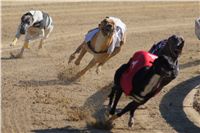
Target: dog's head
{"type": "Point", "coordinates": [26, 22]}
{"type": "Point", "coordinates": [174, 46]}
{"type": "Point", "coordinates": [107, 26]}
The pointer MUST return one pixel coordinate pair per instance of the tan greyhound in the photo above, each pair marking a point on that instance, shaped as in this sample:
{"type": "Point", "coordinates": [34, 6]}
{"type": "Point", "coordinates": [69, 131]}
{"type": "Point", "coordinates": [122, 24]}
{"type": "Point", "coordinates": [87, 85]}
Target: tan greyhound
{"type": "Point", "coordinates": [103, 43]}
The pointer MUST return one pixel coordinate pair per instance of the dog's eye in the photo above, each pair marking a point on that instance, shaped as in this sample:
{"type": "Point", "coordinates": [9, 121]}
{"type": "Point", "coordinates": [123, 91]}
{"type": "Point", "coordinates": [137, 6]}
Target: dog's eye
{"type": "Point", "coordinates": [27, 21]}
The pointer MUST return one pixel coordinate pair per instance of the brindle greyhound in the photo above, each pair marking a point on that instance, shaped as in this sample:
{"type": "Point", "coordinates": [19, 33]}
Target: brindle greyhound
{"type": "Point", "coordinates": [34, 24]}
{"type": "Point", "coordinates": [103, 43]}
{"type": "Point", "coordinates": [148, 80]}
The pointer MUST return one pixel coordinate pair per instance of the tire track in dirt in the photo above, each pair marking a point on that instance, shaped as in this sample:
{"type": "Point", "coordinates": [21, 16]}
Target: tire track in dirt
{"type": "Point", "coordinates": [171, 106]}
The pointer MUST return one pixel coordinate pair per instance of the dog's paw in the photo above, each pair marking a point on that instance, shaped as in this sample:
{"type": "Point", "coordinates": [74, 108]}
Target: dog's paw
{"type": "Point", "coordinates": [107, 114]}
{"type": "Point", "coordinates": [130, 122]}
{"type": "Point", "coordinates": [73, 79]}
{"type": "Point", "coordinates": [40, 46]}
{"type": "Point", "coordinates": [12, 55]}
{"type": "Point", "coordinates": [112, 111]}
{"type": "Point", "coordinates": [12, 44]}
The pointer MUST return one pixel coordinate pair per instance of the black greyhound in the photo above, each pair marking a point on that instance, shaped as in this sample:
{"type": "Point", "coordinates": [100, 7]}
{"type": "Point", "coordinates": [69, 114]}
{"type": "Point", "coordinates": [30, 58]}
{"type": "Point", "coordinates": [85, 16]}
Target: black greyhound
{"type": "Point", "coordinates": [147, 80]}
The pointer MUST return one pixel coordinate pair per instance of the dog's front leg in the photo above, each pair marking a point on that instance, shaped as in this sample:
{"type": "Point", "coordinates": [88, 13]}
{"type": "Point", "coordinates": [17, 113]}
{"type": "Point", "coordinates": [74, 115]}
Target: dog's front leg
{"type": "Point", "coordinates": [14, 42]}
{"type": "Point", "coordinates": [73, 55]}
{"type": "Point", "coordinates": [17, 36]}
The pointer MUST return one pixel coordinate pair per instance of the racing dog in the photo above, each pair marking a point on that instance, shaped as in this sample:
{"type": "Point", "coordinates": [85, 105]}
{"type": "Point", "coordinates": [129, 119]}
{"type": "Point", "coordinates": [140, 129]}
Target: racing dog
{"type": "Point", "coordinates": [34, 24]}
{"type": "Point", "coordinates": [144, 76]}
{"type": "Point", "coordinates": [103, 43]}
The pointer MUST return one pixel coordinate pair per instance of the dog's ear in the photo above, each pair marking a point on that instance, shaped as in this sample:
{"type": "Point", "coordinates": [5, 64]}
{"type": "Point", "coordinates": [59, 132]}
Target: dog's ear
{"type": "Point", "coordinates": [114, 25]}
{"type": "Point", "coordinates": [23, 17]}
{"type": "Point", "coordinates": [28, 17]}
{"type": "Point", "coordinates": [102, 23]}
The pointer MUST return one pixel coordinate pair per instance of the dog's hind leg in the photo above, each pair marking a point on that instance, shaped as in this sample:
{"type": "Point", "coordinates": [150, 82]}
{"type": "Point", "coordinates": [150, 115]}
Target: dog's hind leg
{"type": "Point", "coordinates": [131, 118]}
{"type": "Point", "coordinates": [117, 97]}
{"type": "Point", "coordinates": [132, 106]}
{"type": "Point", "coordinates": [20, 54]}
{"type": "Point", "coordinates": [115, 52]}
{"type": "Point", "coordinates": [45, 33]}
{"type": "Point", "coordinates": [41, 43]}
{"type": "Point", "coordinates": [82, 72]}
{"type": "Point", "coordinates": [111, 96]}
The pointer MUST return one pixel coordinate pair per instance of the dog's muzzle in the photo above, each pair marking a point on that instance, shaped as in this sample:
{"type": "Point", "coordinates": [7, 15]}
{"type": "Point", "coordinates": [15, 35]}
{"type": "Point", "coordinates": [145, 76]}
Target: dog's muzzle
{"type": "Point", "coordinates": [108, 29]}
{"type": "Point", "coordinates": [23, 28]}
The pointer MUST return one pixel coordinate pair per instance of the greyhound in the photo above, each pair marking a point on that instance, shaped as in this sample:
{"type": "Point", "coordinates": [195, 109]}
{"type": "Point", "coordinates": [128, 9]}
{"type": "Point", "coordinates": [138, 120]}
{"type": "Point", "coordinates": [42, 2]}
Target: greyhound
{"type": "Point", "coordinates": [144, 76]}
{"type": "Point", "coordinates": [34, 24]}
{"type": "Point", "coordinates": [103, 43]}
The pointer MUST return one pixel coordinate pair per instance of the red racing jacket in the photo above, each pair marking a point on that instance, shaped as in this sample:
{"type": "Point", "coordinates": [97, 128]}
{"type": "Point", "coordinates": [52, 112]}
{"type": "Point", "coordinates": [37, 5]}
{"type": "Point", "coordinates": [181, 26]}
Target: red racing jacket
{"type": "Point", "coordinates": [139, 60]}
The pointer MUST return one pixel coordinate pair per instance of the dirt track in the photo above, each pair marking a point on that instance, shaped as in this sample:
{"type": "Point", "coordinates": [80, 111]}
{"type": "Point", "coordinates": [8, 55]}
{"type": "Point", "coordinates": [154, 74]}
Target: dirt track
{"type": "Point", "coordinates": [34, 99]}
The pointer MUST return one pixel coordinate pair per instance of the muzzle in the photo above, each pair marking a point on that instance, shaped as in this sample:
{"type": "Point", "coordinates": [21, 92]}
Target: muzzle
{"type": "Point", "coordinates": [108, 29]}
{"type": "Point", "coordinates": [23, 28]}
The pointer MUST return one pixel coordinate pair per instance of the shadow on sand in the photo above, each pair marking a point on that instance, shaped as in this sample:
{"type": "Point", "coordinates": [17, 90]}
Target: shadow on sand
{"type": "Point", "coordinates": [190, 64]}
{"type": "Point", "coordinates": [37, 83]}
{"type": "Point", "coordinates": [9, 58]}
{"type": "Point", "coordinates": [171, 107]}
{"type": "Point", "coordinates": [67, 129]}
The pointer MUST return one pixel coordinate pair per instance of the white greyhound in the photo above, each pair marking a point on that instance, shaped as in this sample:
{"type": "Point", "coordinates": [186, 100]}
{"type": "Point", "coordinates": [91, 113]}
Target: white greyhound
{"type": "Point", "coordinates": [34, 24]}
